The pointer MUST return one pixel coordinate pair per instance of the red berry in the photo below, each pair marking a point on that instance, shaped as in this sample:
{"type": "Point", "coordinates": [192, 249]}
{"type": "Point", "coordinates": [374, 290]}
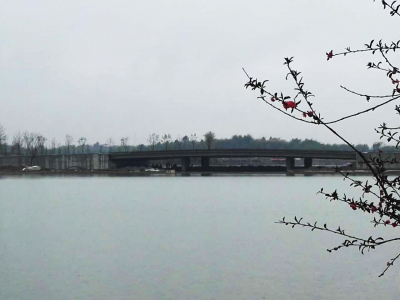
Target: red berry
{"type": "Point", "coordinates": [353, 206]}
{"type": "Point", "coordinates": [387, 222]}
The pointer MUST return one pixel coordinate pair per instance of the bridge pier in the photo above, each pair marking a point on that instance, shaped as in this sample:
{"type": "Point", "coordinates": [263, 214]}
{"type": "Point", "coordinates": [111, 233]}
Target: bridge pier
{"type": "Point", "coordinates": [308, 162]}
{"type": "Point", "coordinates": [205, 162]}
{"type": "Point", "coordinates": [185, 164]}
{"type": "Point", "coordinates": [289, 163]}
{"type": "Point", "coordinates": [112, 164]}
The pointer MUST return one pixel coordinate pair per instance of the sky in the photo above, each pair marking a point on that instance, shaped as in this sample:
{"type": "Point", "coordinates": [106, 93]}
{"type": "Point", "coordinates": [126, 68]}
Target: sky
{"type": "Point", "coordinates": [101, 69]}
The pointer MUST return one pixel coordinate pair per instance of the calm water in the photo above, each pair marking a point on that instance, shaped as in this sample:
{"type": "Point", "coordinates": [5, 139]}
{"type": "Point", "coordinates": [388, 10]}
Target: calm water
{"type": "Point", "coordinates": [182, 238]}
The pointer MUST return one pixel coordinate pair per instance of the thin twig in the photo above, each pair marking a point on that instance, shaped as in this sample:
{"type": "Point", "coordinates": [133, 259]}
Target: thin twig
{"type": "Point", "coordinates": [365, 95]}
{"type": "Point", "coordinates": [364, 111]}
{"type": "Point", "coordinates": [389, 265]}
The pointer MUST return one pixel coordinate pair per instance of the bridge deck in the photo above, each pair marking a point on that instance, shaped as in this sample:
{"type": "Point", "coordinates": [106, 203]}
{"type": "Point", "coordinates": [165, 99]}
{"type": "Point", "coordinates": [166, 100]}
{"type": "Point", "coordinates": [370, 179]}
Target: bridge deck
{"type": "Point", "coordinates": [221, 153]}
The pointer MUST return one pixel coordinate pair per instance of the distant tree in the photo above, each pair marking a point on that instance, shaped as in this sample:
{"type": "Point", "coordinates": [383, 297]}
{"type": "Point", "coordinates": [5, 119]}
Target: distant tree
{"type": "Point", "coordinates": [359, 147]}
{"type": "Point", "coordinates": [178, 142]}
{"type": "Point", "coordinates": [124, 144]}
{"type": "Point", "coordinates": [3, 139]}
{"type": "Point", "coordinates": [53, 145]}
{"type": "Point", "coordinates": [96, 147]}
{"type": "Point", "coordinates": [82, 142]}
{"type": "Point", "coordinates": [263, 142]}
{"type": "Point", "coordinates": [29, 138]}
{"type": "Point", "coordinates": [166, 140]}
{"type": "Point", "coordinates": [376, 146]}
{"type": "Point", "coordinates": [110, 143]}
{"type": "Point", "coordinates": [295, 143]}
{"type": "Point", "coordinates": [17, 143]}
{"type": "Point", "coordinates": [248, 141]}
{"type": "Point", "coordinates": [209, 139]}
{"type": "Point", "coordinates": [153, 140]}
{"type": "Point", "coordinates": [5, 147]}
{"type": "Point", "coordinates": [311, 144]}
{"type": "Point", "coordinates": [185, 141]}
{"type": "Point", "coordinates": [68, 142]}
{"type": "Point", "coordinates": [193, 139]}
{"type": "Point", "coordinates": [41, 144]}
{"type": "Point", "coordinates": [34, 143]}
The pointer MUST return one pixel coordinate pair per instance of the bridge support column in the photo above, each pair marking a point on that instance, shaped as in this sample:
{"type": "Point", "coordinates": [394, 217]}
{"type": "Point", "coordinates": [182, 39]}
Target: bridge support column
{"type": "Point", "coordinates": [111, 165]}
{"type": "Point", "coordinates": [185, 164]}
{"type": "Point", "coordinates": [308, 162]}
{"type": "Point", "coordinates": [289, 163]}
{"type": "Point", "coordinates": [205, 162]}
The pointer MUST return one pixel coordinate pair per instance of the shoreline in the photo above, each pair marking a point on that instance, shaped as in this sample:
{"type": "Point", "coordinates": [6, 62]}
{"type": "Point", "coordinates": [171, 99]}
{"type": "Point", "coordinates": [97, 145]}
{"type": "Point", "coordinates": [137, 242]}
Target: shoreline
{"type": "Point", "coordinates": [163, 173]}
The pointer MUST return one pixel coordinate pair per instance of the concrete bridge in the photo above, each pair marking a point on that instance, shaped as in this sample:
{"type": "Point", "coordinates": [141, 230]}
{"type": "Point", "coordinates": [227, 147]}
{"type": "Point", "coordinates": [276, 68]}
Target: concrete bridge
{"type": "Point", "coordinates": [96, 161]}
{"type": "Point", "coordinates": [142, 157]}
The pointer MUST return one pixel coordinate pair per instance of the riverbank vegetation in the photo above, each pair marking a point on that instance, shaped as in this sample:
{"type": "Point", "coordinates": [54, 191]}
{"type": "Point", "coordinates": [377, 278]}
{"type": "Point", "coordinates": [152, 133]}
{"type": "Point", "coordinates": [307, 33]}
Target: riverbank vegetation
{"type": "Point", "coordinates": [28, 143]}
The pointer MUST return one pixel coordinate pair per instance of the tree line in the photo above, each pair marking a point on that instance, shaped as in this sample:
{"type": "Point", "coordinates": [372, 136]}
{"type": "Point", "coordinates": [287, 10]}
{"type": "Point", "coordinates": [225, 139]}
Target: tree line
{"type": "Point", "coordinates": [33, 144]}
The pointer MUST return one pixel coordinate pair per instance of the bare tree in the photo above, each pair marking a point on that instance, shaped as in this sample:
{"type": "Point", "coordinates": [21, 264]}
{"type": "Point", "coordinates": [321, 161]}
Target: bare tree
{"type": "Point", "coordinates": [53, 145]}
{"type": "Point", "coordinates": [110, 143]}
{"type": "Point", "coordinates": [34, 143]}
{"type": "Point", "coordinates": [153, 140]}
{"type": "Point", "coordinates": [59, 146]}
{"type": "Point", "coordinates": [3, 139]}
{"type": "Point", "coordinates": [193, 140]}
{"type": "Point", "coordinates": [82, 142]}
{"type": "Point", "coordinates": [17, 143]}
{"type": "Point", "coordinates": [124, 143]}
{"type": "Point", "coordinates": [29, 138]}
{"type": "Point", "coordinates": [166, 140]}
{"type": "Point", "coordinates": [209, 138]}
{"type": "Point", "coordinates": [68, 142]}
{"type": "Point", "coordinates": [40, 143]}
{"type": "Point", "coordinates": [48, 148]}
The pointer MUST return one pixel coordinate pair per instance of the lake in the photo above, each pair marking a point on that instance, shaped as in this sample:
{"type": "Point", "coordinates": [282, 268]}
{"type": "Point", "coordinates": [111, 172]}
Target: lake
{"type": "Point", "coordinates": [197, 237]}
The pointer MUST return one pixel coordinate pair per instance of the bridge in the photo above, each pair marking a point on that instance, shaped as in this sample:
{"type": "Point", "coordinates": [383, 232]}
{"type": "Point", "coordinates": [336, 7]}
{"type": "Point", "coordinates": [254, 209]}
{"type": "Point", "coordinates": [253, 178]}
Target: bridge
{"type": "Point", "coordinates": [142, 157]}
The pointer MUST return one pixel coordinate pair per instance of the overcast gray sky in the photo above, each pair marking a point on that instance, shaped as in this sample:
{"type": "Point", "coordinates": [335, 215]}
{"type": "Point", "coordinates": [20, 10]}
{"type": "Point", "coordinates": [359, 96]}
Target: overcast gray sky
{"type": "Point", "coordinates": [101, 69]}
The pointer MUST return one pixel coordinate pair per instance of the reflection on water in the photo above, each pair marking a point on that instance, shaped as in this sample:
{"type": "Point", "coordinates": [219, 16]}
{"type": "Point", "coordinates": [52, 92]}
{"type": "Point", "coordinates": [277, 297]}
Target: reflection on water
{"type": "Point", "coordinates": [174, 237]}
